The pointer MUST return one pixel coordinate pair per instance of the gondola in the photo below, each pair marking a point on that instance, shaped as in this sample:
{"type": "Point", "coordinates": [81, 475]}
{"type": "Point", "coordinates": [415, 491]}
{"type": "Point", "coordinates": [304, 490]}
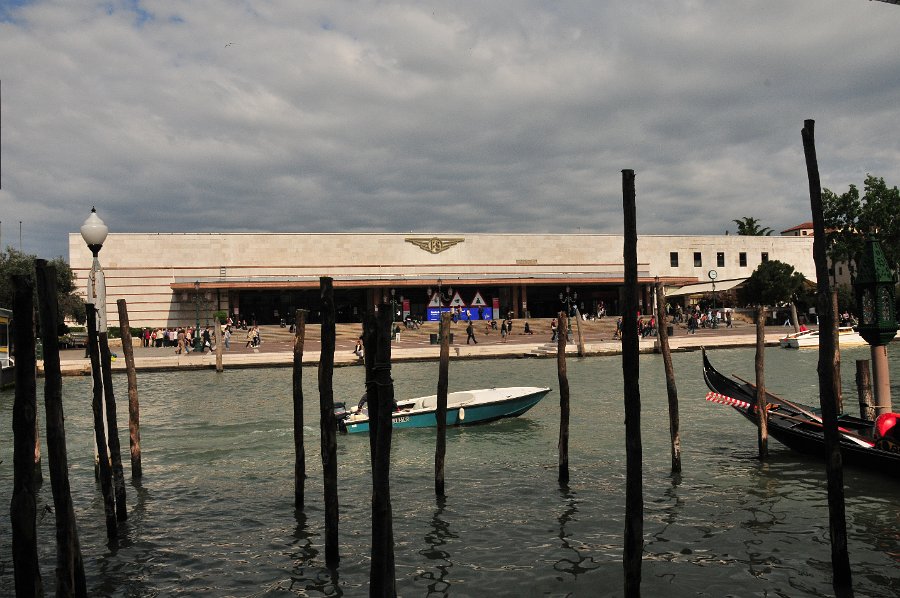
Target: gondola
{"type": "Point", "coordinates": [871, 445]}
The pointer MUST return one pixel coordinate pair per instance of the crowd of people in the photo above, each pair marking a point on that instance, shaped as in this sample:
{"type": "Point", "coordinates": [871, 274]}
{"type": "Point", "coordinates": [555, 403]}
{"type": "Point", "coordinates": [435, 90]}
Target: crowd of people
{"type": "Point", "coordinates": [190, 339]}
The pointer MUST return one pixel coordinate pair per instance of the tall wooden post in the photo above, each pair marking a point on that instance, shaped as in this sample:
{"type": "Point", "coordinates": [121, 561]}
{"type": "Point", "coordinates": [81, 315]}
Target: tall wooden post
{"type": "Point", "coordinates": [762, 436]}
{"type": "Point", "coordinates": [327, 423]}
{"type": "Point", "coordinates": [563, 377]}
{"type": "Point", "coordinates": [671, 389]}
{"type": "Point", "coordinates": [370, 345]}
{"type": "Point", "coordinates": [864, 390]}
{"type": "Point", "coordinates": [134, 408]}
{"type": "Point", "coordinates": [23, 506]}
{"type": "Point", "coordinates": [581, 350]}
{"type": "Point", "coordinates": [795, 321]}
{"type": "Point", "coordinates": [440, 450]}
{"type": "Point", "coordinates": [634, 490]}
{"type": "Point", "coordinates": [297, 388]}
{"type": "Point", "coordinates": [382, 580]}
{"type": "Point", "coordinates": [70, 580]}
{"type": "Point", "coordinates": [104, 469]}
{"type": "Point", "coordinates": [840, 558]}
{"type": "Point", "coordinates": [112, 428]}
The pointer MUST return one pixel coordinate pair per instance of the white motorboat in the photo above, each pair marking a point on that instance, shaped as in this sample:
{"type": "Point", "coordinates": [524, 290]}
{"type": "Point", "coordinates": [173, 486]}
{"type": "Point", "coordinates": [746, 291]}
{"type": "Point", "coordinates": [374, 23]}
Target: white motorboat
{"type": "Point", "coordinates": [847, 337]}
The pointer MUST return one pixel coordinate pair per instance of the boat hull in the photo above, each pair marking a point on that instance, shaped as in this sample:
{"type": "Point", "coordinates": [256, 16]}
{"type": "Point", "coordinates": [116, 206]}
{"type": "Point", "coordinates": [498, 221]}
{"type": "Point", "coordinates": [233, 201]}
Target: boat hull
{"type": "Point", "coordinates": [462, 414]}
{"type": "Point", "coordinates": [847, 337]}
{"type": "Point", "coordinates": [789, 425]}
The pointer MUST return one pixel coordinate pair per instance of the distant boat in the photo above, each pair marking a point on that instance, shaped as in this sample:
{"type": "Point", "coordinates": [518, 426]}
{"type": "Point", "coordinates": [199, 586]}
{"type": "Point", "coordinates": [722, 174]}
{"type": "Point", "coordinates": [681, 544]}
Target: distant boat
{"type": "Point", "coordinates": [846, 334]}
{"type": "Point", "coordinates": [463, 408]}
{"type": "Point", "coordinates": [7, 363]}
{"type": "Point", "coordinates": [785, 341]}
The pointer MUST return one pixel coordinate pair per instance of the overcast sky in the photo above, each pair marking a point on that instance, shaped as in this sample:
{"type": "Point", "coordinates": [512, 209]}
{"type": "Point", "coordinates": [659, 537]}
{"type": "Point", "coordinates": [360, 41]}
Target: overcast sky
{"type": "Point", "coordinates": [464, 116]}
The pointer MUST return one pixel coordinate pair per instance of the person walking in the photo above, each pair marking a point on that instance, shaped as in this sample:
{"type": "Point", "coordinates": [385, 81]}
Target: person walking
{"type": "Point", "coordinates": [227, 337]}
{"type": "Point", "coordinates": [554, 329]}
{"type": "Point", "coordinates": [503, 331]}
{"type": "Point", "coordinates": [470, 333]}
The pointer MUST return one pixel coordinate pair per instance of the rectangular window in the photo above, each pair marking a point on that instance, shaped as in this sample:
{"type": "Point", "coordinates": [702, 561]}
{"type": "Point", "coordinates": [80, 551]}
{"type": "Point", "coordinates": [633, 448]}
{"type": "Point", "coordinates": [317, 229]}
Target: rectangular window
{"type": "Point", "coordinates": [742, 259]}
{"type": "Point", "coordinates": [720, 259]}
{"type": "Point", "coordinates": [673, 259]}
{"type": "Point", "coordinates": [764, 257]}
{"type": "Point", "coordinates": [698, 261]}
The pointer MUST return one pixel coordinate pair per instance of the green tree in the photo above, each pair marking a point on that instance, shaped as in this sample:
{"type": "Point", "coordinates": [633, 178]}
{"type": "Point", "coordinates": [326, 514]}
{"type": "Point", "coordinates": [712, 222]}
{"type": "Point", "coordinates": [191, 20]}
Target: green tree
{"type": "Point", "coordinates": [772, 283]}
{"type": "Point", "coordinates": [849, 218]}
{"type": "Point", "coordinates": [749, 227]}
{"type": "Point", "coordinates": [16, 262]}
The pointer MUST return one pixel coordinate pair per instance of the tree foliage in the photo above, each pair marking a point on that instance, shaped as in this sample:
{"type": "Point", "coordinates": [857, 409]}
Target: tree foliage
{"type": "Point", "coordinates": [849, 218]}
{"type": "Point", "coordinates": [772, 283]}
{"type": "Point", "coordinates": [15, 262]}
{"type": "Point", "coordinates": [750, 227]}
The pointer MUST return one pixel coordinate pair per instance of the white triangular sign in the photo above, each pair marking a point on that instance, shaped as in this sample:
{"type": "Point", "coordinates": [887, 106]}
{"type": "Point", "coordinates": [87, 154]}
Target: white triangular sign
{"type": "Point", "coordinates": [478, 301]}
{"type": "Point", "coordinates": [457, 301]}
{"type": "Point", "coordinates": [435, 301]}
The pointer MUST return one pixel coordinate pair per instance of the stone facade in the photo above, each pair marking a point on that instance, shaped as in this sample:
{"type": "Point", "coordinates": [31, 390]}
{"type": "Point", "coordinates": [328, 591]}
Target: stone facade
{"type": "Point", "coordinates": [157, 272]}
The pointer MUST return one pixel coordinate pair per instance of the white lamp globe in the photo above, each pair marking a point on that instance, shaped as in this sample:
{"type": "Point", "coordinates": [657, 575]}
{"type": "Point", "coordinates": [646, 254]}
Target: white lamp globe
{"type": "Point", "coordinates": [94, 231]}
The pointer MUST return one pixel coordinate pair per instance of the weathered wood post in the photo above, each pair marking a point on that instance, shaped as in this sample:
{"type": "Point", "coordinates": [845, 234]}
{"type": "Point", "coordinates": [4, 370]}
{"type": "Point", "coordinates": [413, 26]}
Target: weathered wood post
{"type": "Point", "coordinates": [795, 321]}
{"type": "Point", "coordinates": [840, 559]}
{"type": "Point", "coordinates": [327, 424]}
{"type": "Point", "coordinates": [762, 420]}
{"type": "Point", "coordinates": [440, 451]}
{"type": "Point", "coordinates": [864, 390]}
{"type": "Point", "coordinates": [23, 506]}
{"type": "Point", "coordinates": [70, 580]}
{"type": "Point", "coordinates": [134, 407]}
{"type": "Point", "coordinates": [563, 377]}
{"type": "Point", "coordinates": [104, 469]}
{"type": "Point", "coordinates": [382, 579]}
{"type": "Point", "coordinates": [112, 427]}
{"type": "Point", "coordinates": [297, 389]}
{"type": "Point", "coordinates": [581, 350]}
{"type": "Point", "coordinates": [370, 344]}
{"type": "Point", "coordinates": [634, 490]}
{"type": "Point", "coordinates": [671, 389]}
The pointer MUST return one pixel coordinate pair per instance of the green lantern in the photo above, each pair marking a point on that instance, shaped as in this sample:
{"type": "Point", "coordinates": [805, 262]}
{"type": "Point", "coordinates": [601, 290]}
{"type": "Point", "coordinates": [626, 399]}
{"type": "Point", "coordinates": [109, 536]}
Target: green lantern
{"type": "Point", "coordinates": [874, 288]}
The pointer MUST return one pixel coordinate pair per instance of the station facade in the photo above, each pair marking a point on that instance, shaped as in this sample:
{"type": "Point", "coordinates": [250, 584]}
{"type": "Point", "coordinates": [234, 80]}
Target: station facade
{"type": "Point", "coordinates": [168, 279]}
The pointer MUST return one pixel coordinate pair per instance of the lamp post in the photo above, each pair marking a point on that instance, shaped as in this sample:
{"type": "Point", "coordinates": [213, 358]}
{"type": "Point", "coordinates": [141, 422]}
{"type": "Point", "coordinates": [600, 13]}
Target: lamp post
{"type": "Point", "coordinates": [713, 275]}
{"type": "Point", "coordinates": [874, 287]}
{"type": "Point", "coordinates": [94, 233]}
{"type": "Point", "coordinates": [198, 341]}
{"type": "Point", "coordinates": [394, 302]}
{"type": "Point", "coordinates": [569, 298]}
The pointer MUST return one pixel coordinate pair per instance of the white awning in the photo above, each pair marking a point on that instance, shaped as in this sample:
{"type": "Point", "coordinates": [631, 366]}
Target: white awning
{"type": "Point", "coordinates": [706, 287]}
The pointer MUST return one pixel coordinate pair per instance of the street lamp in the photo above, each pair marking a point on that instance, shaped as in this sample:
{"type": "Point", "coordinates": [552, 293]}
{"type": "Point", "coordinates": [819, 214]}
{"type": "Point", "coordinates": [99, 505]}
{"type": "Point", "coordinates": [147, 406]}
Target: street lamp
{"type": "Point", "coordinates": [198, 341]}
{"type": "Point", "coordinates": [569, 298]}
{"type": "Point", "coordinates": [94, 233]}
{"type": "Point", "coordinates": [713, 275]}
{"type": "Point", "coordinates": [874, 287]}
{"type": "Point", "coordinates": [394, 302]}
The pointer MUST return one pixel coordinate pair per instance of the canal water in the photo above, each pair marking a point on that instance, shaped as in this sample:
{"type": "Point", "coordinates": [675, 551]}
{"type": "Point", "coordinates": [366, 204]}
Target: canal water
{"type": "Point", "coordinates": [214, 516]}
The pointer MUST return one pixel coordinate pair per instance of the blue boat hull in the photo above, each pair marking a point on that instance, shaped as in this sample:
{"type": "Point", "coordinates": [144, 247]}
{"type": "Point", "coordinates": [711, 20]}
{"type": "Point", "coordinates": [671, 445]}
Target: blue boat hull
{"type": "Point", "coordinates": [458, 416]}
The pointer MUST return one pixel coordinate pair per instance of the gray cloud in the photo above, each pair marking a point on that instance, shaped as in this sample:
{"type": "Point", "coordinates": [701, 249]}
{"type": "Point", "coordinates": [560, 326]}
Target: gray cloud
{"type": "Point", "coordinates": [397, 116]}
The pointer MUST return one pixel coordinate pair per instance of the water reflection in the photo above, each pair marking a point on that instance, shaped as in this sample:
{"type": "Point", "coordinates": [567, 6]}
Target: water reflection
{"type": "Point", "coordinates": [305, 575]}
{"type": "Point", "coordinates": [579, 563]}
{"type": "Point", "coordinates": [438, 536]}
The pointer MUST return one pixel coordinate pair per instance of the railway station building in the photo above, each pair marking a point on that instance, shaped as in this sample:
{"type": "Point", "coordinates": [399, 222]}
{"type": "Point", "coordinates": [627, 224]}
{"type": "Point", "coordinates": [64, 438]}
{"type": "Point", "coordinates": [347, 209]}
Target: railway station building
{"type": "Point", "coordinates": [167, 278]}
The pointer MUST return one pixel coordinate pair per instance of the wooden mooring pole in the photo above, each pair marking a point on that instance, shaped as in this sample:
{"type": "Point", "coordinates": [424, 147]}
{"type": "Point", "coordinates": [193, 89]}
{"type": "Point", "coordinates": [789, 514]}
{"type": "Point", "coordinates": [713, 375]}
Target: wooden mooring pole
{"type": "Point", "coordinates": [634, 490]}
{"type": "Point", "coordinates": [440, 450]}
{"type": "Point", "coordinates": [104, 469]}
{"type": "Point", "coordinates": [112, 427]}
{"type": "Point", "coordinates": [840, 559]}
{"type": "Point", "coordinates": [671, 390]}
{"type": "Point", "coordinates": [220, 345]}
{"type": "Point", "coordinates": [864, 390]}
{"type": "Point", "coordinates": [134, 407]}
{"type": "Point", "coordinates": [327, 424]}
{"type": "Point", "coordinates": [297, 391]}
{"type": "Point", "coordinates": [762, 420]}
{"type": "Point", "coordinates": [382, 579]}
{"type": "Point", "coordinates": [23, 506]}
{"type": "Point", "coordinates": [563, 377]}
{"type": "Point", "coordinates": [70, 580]}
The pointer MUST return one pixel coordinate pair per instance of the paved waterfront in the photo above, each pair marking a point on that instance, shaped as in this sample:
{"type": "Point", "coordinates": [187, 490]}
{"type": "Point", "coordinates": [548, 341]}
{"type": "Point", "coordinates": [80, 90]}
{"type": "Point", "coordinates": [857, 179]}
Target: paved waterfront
{"type": "Point", "coordinates": [415, 345]}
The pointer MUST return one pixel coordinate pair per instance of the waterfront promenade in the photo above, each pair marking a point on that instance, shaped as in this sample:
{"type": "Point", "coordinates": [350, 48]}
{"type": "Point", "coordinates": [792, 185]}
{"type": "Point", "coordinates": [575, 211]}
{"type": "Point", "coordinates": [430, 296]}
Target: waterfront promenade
{"type": "Point", "coordinates": [276, 348]}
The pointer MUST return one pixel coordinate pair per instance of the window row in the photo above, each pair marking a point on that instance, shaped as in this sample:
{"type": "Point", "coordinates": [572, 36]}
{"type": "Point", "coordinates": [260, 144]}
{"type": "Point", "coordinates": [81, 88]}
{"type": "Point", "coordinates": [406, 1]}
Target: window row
{"type": "Point", "coordinates": [720, 259]}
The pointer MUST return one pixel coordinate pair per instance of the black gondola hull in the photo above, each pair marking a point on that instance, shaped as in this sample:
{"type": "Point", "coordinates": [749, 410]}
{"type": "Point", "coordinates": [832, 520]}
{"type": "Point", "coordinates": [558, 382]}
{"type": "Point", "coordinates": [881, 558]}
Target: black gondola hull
{"type": "Point", "coordinates": [798, 431]}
